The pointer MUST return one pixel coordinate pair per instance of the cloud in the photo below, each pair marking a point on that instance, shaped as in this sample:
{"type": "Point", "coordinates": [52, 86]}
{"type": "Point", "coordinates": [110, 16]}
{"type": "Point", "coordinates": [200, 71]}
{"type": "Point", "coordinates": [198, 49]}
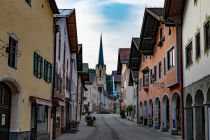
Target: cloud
{"type": "Point", "coordinates": [94, 18]}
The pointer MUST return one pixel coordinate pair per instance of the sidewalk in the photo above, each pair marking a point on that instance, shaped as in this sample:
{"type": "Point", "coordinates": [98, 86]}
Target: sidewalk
{"type": "Point", "coordinates": [82, 134]}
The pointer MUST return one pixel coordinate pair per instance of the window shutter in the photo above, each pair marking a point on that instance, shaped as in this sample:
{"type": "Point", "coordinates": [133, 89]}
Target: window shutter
{"type": "Point", "coordinates": [35, 64]}
{"type": "Point", "coordinates": [41, 67]}
{"type": "Point", "coordinates": [45, 70]}
{"type": "Point", "coordinates": [50, 73]}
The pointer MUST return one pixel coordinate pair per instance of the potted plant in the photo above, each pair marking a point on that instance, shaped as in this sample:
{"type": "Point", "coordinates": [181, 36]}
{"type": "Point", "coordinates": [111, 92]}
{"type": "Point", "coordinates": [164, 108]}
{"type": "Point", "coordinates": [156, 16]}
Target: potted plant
{"type": "Point", "coordinates": [90, 120]}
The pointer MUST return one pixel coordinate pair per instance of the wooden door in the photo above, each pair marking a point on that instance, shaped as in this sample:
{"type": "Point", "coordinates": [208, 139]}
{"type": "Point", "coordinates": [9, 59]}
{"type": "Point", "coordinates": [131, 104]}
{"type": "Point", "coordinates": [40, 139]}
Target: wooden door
{"type": "Point", "coordinates": [4, 111]}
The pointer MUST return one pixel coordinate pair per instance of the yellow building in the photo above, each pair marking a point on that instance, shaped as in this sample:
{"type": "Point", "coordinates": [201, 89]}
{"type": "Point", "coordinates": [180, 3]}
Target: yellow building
{"type": "Point", "coordinates": [26, 58]}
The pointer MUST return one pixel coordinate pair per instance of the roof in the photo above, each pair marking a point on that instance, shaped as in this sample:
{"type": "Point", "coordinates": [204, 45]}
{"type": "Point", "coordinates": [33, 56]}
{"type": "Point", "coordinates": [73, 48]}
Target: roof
{"type": "Point", "coordinates": [101, 54]}
{"type": "Point", "coordinates": [151, 20]}
{"type": "Point", "coordinates": [116, 77]}
{"type": "Point", "coordinates": [54, 7]}
{"type": "Point", "coordinates": [174, 8]}
{"type": "Point", "coordinates": [135, 55]}
{"type": "Point", "coordinates": [123, 58]}
{"type": "Point", "coordinates": [70, 15]}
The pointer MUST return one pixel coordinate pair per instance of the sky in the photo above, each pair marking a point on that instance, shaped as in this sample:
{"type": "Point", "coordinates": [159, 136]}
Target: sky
{"type": "Point", "coordinates": [117, 20]}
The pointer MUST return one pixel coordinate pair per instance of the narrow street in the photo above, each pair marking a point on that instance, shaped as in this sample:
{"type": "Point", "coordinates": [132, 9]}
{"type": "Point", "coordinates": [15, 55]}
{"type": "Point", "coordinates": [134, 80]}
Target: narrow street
{"type": "Point", "coordinates": [112, 127]}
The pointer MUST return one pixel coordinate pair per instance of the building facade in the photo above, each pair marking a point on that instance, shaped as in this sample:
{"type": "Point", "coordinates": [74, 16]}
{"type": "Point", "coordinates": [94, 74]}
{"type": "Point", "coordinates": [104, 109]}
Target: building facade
{"type": "Point", "coordinates": [195, 32]}
{"type": "Point", "coordinates": [92, 98]}
{"type": "Point", "coordinates": [124, 71]}
{"type": "Point", "coordinates": [134, 65]}
{"type": "Point", "coordinates": [26, 69]}
{"type": "Point", "coordinates": [160, 93]}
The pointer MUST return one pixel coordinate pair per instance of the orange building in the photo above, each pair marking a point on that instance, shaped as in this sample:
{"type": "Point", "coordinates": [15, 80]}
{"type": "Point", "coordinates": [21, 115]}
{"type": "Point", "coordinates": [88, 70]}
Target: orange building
{"type": "Point", "coordinates": [160, 98]}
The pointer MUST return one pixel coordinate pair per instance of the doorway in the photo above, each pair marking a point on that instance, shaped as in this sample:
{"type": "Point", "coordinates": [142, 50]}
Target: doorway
{"type": "Point", "coordinates": [5, 94]}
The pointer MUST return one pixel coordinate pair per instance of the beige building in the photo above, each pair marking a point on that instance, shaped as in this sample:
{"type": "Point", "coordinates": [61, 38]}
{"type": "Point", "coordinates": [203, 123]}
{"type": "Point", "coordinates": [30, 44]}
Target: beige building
{"type": "Point", "coordinates": [26, 58]}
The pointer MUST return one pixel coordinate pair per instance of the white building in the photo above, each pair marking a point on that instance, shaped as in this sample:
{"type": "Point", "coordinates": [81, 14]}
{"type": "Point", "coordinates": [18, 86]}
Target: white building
{"type": "Point", "coordinates": [192, 17]}
{"type": "Point", "coordinates": [92, 100]}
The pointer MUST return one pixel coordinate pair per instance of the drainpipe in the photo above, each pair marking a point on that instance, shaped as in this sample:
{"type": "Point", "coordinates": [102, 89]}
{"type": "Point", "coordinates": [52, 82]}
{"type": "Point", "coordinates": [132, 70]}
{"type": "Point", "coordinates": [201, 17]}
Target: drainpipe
{"type": "Point", "coordinates": [179, 43]}
{"type": "Point", "coordinates": [181, 69]}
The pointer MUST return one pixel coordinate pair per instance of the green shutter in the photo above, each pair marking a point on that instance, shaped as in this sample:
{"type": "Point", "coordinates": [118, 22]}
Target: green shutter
{"type": "Point", "coordinates": [45, 70]}
{"type": "Point", "coordinates": [41, 66]}
{"type": "Point", "coordinates": [50, 73]}
{"type": "Point", "coordinates": [35, 64]}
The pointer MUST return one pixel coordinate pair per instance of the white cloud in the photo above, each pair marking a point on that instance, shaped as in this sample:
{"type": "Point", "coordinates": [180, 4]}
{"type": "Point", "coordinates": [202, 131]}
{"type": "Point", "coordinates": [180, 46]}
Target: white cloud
{"type": "Point", "coordinates": [91, 23]}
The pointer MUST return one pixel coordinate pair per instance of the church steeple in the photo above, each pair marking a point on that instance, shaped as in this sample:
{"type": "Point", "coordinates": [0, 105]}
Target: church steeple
{"type": "Point", "coordinates": [101, 54]}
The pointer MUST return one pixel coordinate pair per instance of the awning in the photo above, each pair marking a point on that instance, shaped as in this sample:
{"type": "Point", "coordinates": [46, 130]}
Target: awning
{"type": "Point", "coordinates": [40, 101]}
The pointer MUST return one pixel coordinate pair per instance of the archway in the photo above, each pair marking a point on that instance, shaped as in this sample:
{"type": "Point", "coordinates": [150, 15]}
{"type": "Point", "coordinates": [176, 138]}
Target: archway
{"type": "Point", "coordinates": [188, 112]}
{"type": "Point", "coordinates": [176, 115]}
{"type": "Point", "coordinates": [165, 113]}
{"type": "Point", "coordinates": [5, 104]}
{"type": "Point", "coordinates": [199, 119]}
{"type": "Point", "coordinates": [145, 113]}
{"type": "Point", "coordinates": [141, 113]}
{"type": "Point", "coordinates": [150, 113]}
{"type": "Point", "coordinates": [157, 113]}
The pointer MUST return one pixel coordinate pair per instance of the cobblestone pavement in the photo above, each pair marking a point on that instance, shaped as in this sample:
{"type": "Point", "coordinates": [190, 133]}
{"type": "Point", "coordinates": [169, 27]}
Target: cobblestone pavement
{"type": "Point", "coordinates": [112, 127]}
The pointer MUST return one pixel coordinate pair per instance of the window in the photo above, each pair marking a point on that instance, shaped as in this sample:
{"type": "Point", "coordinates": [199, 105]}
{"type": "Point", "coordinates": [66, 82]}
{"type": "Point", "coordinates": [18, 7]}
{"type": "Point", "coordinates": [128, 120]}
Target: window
{"type": "Point", "coordinates": [198, 48]}
{"type": "Point", "coordinates": [12, 52]}
{"type": "Point", "coordinates": [47, 71]}
{"type": "Point", "coordinates": [207, 36]}
{"type": "Point", "coordinates": [151, 77]}
{"type": "Point", "coordinates": [155, 73]}
{"type": "Point", "coordinates": [189, 55]}
{"type": "Point", "coordinates": [160, 70]}
{"type": "Point", "coordinates": [68, 84]}
{"type": "Point", "coordinates": [29, 2]}
{"type": "Point", "coordinates": [59, 83]}
{"type": "Point", "coordinates": [59, 44]}
{"type": "Point", "coordinates": [169, 31]}
{"type": "Point", "coordinates": [161, 33]}
{"type": "Point", "coordinates": [171, 58]}
{"type": "Point", "coordinates": [146, 78]}
{"type": "Point", "coordinates": [39, 118]}
{"type": "Point", "coordinates": [195, 2]}
{"type": "Point", "coordinates": [38, 64]}
{"type": "Point", "coordinates": [164, 66]}
{"type": "Point", "coordinates": [140, 84]}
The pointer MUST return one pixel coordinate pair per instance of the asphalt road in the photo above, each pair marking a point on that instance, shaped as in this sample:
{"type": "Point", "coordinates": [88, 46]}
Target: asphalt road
{"type": "Point", "coordinates": [112, 127]}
